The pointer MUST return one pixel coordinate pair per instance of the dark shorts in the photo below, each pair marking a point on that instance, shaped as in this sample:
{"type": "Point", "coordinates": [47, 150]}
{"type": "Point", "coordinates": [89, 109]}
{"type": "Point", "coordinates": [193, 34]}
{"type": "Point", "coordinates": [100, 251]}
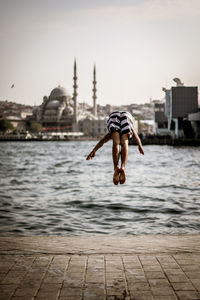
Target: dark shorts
{"type": "Point", "coordinates": [120, 122]}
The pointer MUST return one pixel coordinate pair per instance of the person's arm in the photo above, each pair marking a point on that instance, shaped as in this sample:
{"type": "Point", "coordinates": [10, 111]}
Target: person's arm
{"type": "Point", "coordinates": [104, 140]}
{"type": "Point", "coordinates": [138, 141]}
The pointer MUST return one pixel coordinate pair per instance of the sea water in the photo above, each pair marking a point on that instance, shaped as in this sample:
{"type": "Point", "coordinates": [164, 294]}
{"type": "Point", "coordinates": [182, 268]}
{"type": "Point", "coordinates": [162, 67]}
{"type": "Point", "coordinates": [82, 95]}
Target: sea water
{"type": "Point", "coordinates": [48, 188]}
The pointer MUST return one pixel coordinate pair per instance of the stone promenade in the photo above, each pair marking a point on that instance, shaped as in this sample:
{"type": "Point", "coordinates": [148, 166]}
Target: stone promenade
{"type": "Point", "coordinates": [100, 267]}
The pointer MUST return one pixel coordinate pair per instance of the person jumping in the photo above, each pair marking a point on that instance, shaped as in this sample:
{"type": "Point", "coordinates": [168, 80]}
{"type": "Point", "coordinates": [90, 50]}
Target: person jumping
{"type": "Point", "coordinates": [120, 129]}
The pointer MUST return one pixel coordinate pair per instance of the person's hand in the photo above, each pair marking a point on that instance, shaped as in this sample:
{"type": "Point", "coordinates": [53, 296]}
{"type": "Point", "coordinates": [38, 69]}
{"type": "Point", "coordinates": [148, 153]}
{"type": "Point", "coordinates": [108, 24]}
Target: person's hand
{"type": "Point", "coordinates": [141, 149]}
{"type": "Point", "coordinates": [91, 155]}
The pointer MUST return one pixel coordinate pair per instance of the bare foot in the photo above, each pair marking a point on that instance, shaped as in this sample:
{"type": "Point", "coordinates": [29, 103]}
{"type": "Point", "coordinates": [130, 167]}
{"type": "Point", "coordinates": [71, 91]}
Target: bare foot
{"type": "Point", "coordinates": [122, 178]}
{"type": "Point", "coordinates": [116, 176]}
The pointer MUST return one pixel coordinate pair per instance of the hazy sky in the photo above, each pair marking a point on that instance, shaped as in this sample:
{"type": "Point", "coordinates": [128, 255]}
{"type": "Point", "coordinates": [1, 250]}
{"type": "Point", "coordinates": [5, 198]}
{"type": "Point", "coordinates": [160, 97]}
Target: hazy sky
{"type": "Point", "coordinates": [138, 47]}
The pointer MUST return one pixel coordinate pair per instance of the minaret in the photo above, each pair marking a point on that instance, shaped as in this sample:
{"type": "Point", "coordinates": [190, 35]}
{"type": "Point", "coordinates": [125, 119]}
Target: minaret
{"type": "Point", "coordinates": [94, 92]}
{"type": "Point", "coordinates": [75, 94]}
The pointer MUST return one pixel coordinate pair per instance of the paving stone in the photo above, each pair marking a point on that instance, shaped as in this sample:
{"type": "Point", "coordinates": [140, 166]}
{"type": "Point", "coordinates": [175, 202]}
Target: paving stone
{"type": "Point", "coordinates": [190, 256]}
{"type": "Point", "coordinates": [172, 297]}
{"type": "Point", "coordinates": [57, 267]}
{"type": "Point", "coordinates": [9, 258]}
{"type": "Point", "coordinates": [116, 291]}
{"type": "Point", "coordinates": [60, 259]}
{"type": "Point", "coordinates": [27, 297]}
{"type": "Point", "coordinates": [53, 279]}
{"type": "Point", "coordinates": [73, 281]}
{"type": "Point", "coordinates": [93, 290]}
{"type": "Point", "coordinates": [130, 258]}
{"type": "Point", "coordinates": [110, 275]}
{"type": "Point", "coordinates": [115, 282]}
{"type": "Point", "coordinates": [158, 282]}
{"type": "Point", "coordinates": [12, 280]}
{"type": "Point", "coordinates": [54, 272]}
{"type": "Point", "coordinates": [188, 295]}
{"type": "Point", "coordinates": [6, 291]}
{"type": "Point", "coordinates": [162, 291]}
{"type": "Point", "coordinates": [145, 295]}
{"type": "Point", "coordinates": [95, 271]}
{"type": "Point", "coordinates": [98, 278]}
{"type": "Point", "coordinates": [196, 283]}
{"type": "Point", "coordinates": [170, 266]}
{"type": "Point", "coordinates": [155, 275]}
{"type": "Point", "coordinates": [139, 286]}
{"type": "Point", "coordinates": [174, 272]}
{"type": "Point", "coordinates": [94, 297]}
{"type": "Point", "coordinates": [94, 267]}
{"type": "Point", "coordinates": [194, 267]}
{"type": "Point", "coordinates": [25, 291]}
{"type": "Point", "coordinates": [183, 286]}
{"type": "Point", "coordinates": [2, 276]}
{"type": "Point", "coordinates": [135, 278]}
{"type": "Point", "coordinates": [49, 287]}
{"type": "Point", "coordinates": [186, 261]}
{"type": "Point", "coordinates": [113, 268]}
{"type": "Point", "coordinates": [29, 283]}
{"type": "Point", "coordinates": [153, 262]}
{"type": "Point", "coordinates": [147, 257]}
{"type": "Point", "coordinates": [32, 276]}
{"type": "Point", "coordinates": [46, 296]}
{"type": "Point", "coordinates": [70, 298]}
{"type": "Point", "coordinates": [113, 257]}
{"type": "Point", "coordinates": [133, 266]}
{"type": "Point", "coordinates": [165, 259]}
{"type": "Point", "coordinates": [139, 272]}
{"type": "Point", "coordinates": [66, 292]}
{"type": "Point", "coordinates": [152, 268]}
{"type": "Point", "coordinates": [117, 297]}
{"type": "Point", "coordinates": [76, 269]}
{"type": "Point", "coordinates": [97, 259]}
{"type": "Point", "coordinates": [177, 278]}
{"type": "Point", "coordinates": [193, 275]}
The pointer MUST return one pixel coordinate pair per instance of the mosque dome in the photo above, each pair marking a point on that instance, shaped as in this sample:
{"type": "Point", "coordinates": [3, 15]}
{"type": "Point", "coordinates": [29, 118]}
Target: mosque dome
{"type": "Point", "coordinates": [58, 92]}
{"type": "Point", "coordinates": [53, 104]}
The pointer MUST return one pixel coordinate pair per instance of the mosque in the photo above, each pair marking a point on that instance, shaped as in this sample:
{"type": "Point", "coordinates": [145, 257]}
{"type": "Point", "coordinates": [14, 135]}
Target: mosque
{"type": "Point", "coordinates": [61, 112]}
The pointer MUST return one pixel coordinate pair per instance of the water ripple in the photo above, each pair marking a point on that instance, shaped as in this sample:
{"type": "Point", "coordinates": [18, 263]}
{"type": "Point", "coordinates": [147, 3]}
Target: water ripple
{"type": "Point", "coordinates": [49, 188]}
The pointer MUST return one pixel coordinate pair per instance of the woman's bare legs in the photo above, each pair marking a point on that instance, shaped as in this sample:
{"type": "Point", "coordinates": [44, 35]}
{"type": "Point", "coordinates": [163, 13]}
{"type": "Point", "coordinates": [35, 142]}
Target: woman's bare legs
{"type": "Point", "coordinates": [124, 157]}
{"type": "Point", "coordinates": [116, 153]}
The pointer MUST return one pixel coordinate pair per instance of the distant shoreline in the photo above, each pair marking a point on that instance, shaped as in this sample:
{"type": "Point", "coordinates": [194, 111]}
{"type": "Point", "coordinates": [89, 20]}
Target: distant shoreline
{"type": "Point", "coordinates": [149, 140]}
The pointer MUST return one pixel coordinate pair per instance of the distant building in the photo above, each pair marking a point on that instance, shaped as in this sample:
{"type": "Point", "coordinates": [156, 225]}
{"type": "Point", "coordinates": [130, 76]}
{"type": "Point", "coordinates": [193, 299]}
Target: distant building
{"type": "Point", "coordinates": [56, 113]}
{"type": "Point", "coordinates": [195, 123]}
{"type": "Point", "coordinates": [161, 122]}
{"type": "Point", "coordinates": [16, 113]}
{"type": "Point", "coordinates": [61, 112]}
{"type": "Point", "coordinates": [95, 128]}
{"type": "Point", "coordinates": [180, 101]}
{"type": "Point", "coordinates": [18, 123]}
{"type": "Point", "coordinates": [147, 127]}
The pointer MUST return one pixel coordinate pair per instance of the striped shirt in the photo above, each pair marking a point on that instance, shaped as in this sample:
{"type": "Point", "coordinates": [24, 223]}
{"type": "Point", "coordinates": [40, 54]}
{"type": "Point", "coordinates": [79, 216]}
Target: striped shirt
{"type": "Point", "coordinates": [120, 121]}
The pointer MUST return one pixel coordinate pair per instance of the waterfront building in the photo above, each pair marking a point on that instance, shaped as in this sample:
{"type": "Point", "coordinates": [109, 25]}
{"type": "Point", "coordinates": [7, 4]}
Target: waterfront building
{"type": "Point", "coordinates": [18, 122]}
{"type": "Point", "coordinates": [195, 123]}
{"type": "Point", "coordinates": [147, 127]}
{"type": "Point", "coordinates": [180, 101]}
{"type": "Point", "coordinates": [16, 113]}
{"type": "Point", "coordinates": [93, 127]}
{"type": "Point", "coordinates": [161, 122]}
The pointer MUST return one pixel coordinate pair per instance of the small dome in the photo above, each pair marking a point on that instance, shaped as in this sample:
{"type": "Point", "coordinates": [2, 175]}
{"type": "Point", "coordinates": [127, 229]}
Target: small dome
{"type": "Point", "coordinates": [53, 104]}
{"type": "Point", "coordinates": [58, 92]}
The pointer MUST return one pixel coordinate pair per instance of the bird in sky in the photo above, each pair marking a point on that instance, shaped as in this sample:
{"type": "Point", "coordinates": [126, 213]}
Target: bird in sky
{"type": "Point", "coordinates": [12, 86]}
